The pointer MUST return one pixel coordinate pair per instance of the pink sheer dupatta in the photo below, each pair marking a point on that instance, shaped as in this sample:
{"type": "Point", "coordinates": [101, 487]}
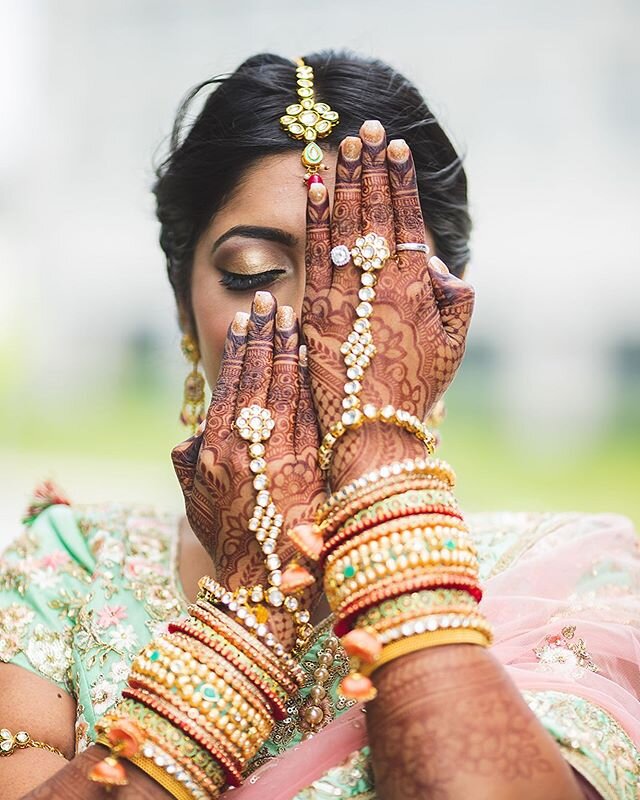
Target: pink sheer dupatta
{"type": "Point", "coordinates": [563, 594]}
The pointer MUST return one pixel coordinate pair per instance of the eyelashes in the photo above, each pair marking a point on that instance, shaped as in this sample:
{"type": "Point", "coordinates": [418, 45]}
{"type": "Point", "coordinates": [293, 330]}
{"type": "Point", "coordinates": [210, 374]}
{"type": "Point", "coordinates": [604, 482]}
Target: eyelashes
{"type": "Point", "coordinates": [237, 282]}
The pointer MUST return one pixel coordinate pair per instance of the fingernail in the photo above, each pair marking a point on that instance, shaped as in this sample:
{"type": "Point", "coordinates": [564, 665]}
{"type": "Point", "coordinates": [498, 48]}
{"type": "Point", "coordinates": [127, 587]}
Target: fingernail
{"type": "Point", "coordinates": [351, 148]}
{"type": "Point", "coordinates": [302, 355]}
{"type": "Point", "coordinates": [240, 324]}
{"type": "Point", "coordinates": [317, 192]}
{"type": "Point", "coordinates": [263, 302]}
{"type": "Point", "coordinates": [285, 318]}
{"type": "Point", "coordinates": [439, 265]}
{"type": "Point", "coordinates": [398, 150]}
{"type": "Point", "coordinates": [372, 132]}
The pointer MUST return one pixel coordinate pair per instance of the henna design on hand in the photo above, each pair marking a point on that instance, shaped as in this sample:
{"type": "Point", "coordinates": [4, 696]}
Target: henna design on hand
{"type": "Point", "coordinates": [421, 313]}
{"type": "Point", "coordinates": [260, 365]}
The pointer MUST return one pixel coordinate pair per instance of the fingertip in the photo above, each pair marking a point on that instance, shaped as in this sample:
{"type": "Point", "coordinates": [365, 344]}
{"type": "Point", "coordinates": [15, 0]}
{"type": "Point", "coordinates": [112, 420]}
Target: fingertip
{"type": "Point", "coordinates": [285, 318]}
{"type": "Point", "coordinates": [317, 193]}
{"type": "Point", "coordinates": [372, 132]}
{"type": "Point", "coordinates": [240, 324]}
{"type": "Point", "coordinates": [351, 148]}
{"type": "Point", "coordinates": [303, 357]}
{"type": "Point", "coordinates": [438, 265]}
{"type": "Point", "coordinates": [263, 303]}
{"type": "Point", "coordinates": [398, 151]}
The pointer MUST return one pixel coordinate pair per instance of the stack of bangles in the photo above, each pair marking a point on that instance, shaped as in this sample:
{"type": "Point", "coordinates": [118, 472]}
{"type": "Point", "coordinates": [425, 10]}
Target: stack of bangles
{"type": "Point", "coordinates": [200, 701]}
{"type": "Point", "coordinates": [400, 568]}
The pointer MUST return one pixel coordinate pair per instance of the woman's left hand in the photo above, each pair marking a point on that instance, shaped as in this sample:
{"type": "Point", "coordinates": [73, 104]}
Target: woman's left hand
{"type": "Point", "coordinates": [261, 365]}
{"type": "Point", "coordinates": [421, 312]}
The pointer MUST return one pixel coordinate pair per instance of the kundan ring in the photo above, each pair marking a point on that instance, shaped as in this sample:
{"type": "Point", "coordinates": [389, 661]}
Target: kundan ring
{"type": "Point", "coordinates": [420, 247]}
{"type": "Point", "coordinates": [340, 255]}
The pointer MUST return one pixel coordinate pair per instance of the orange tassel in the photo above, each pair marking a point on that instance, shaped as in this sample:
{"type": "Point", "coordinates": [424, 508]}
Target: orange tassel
{"type": "Point", "coordinates": [125, 737]}
{"type": "Point", "coordinates": [357, 687]}
{"type": "Point", "coordinates": [363, 645]}
{"type": "Point", "coordinates": [108, 772]}
{"type": "Point", "coordinates": [295, 578]}
{"type": "Point", "coordinates": [308, 539]}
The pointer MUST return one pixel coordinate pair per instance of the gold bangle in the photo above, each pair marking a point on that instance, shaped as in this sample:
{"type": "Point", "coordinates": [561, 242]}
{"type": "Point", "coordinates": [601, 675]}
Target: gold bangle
{"type": "Point", "coordinates": [9, 743]}
{"type": "Point", "coordinates": [422, 641]}
{"type": "Point", "coordinates": [161, 777]}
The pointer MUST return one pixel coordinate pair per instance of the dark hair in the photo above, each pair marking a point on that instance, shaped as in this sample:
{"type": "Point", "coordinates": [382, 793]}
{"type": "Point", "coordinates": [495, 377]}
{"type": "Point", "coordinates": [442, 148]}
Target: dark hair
{"type": "Point", "coordinates": [238, 124]}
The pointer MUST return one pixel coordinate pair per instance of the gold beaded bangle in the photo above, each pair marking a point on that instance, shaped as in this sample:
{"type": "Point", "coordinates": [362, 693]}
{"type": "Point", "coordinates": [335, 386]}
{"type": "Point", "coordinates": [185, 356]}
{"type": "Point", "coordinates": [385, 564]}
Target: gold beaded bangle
{"type": "Point", "coordinates": [421, 602]}
{"type": "Point", "coordinates": [400, 470]}
{"type": "Point", "coordinates": [434, 535]}
{"type": "Point", "coordinates": [355, 418]}
{"type": "Point", "coordinates": [363, 501]}
{"type": "Point", "coordinates": [423, 641]}
{"type": "Point", "coordinates": [10, 742]}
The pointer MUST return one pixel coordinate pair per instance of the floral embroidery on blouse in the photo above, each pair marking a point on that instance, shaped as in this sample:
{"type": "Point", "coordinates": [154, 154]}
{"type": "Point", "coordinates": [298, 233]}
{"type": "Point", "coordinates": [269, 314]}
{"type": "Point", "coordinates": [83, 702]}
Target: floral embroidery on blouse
{"type": "Point", "coordinates": [563, 654]}
{"type": "Point", "coordinates": [351, 780]}
{"type": "Point", "coordinates": [592, 742]}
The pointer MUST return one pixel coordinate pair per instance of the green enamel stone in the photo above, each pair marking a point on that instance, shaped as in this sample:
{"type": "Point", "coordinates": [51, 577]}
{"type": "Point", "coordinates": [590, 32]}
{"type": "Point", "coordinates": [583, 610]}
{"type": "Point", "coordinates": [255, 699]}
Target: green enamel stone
{"type": "Point", "coordinates": [349, 571]}
{"type": "Point", "coordinates": [208, 692]}
{"type": "Point", "coordinates": [155, 655]}
{"type": "Point", "coordinates": [450, 544]}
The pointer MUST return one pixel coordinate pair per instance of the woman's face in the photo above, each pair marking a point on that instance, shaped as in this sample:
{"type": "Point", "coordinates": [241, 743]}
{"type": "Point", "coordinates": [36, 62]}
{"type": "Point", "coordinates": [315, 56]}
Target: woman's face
{"type": "Point", "coordinates": [256, 241]}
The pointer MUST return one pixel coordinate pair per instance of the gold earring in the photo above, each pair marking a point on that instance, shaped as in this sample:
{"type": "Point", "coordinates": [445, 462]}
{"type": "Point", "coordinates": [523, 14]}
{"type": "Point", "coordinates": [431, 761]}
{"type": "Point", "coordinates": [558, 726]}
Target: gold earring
{"type": "Point", "coordinates": [192, 413]}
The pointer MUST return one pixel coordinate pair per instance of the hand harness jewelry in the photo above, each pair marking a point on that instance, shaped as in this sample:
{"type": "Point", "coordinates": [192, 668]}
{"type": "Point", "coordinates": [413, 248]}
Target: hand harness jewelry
{"type": "Point", "coordinates": [370, 254]}
{"type": "Point", "coordinates": [255, 424]}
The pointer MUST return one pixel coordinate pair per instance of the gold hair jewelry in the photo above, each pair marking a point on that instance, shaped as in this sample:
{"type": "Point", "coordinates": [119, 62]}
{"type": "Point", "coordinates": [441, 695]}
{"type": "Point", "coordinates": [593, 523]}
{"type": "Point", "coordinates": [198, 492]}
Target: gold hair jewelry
{"type": "Point", "coordinates": [192, 413]}
{"type": "Point", "coordinates": [10, 742]}
{"type": "Point", "coordinates": [308, 120]}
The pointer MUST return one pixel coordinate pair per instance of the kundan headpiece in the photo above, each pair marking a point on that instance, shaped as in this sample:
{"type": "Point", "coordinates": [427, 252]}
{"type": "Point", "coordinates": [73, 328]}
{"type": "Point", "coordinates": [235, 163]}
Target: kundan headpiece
{"type": "Point", "coordinates": [309, 121]}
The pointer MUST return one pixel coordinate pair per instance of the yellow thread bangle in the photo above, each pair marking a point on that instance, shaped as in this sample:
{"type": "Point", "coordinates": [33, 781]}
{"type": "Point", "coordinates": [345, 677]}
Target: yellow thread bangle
{"type": "Point", "coordinates": [9, 743]}
{"type": "Point", "coordinates": [422, 641]}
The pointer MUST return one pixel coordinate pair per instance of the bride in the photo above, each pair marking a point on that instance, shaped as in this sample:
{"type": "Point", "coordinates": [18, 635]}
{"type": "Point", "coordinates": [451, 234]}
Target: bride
{"type": "Point", "coordinates": [323, 621]}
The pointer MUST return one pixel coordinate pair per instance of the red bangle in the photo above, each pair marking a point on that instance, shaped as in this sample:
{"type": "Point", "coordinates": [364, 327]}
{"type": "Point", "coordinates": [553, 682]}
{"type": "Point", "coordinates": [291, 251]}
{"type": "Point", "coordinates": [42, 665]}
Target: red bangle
{"type": "Point", "coordinates": [277, 707]}
{"type": "Point", "coordinates": [232, 770]}
{"type": "Point", "coordinates": [394, 588]}
{"type": "Point", "coordinates": [362, 525]}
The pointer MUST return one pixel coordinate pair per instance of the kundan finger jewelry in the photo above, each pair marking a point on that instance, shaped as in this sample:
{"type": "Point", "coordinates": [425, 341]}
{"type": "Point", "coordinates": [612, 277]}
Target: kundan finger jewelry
{"type": "Point", "coordinates": [370, 254]}
{"type": "Point", "coordinates": [309, 121]}
{"type": "Point", "coordinates": [10, 742]}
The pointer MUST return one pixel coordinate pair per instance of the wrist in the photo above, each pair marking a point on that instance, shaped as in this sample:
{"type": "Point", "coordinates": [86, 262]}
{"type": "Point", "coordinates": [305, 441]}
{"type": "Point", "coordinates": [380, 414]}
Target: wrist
{"type": "Point", "coordinates": [368, 448]}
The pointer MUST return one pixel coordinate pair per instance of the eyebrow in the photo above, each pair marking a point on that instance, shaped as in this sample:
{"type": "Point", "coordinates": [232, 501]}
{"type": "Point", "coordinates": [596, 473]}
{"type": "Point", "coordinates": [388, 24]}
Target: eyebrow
{"type": "Point", "coordinates": [256, 232]}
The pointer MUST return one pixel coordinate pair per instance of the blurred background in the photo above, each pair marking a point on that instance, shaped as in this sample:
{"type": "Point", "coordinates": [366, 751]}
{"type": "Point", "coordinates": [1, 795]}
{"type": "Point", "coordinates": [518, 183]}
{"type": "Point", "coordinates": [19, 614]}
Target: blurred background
{"type": "Point", "coordinates": [543, 97]}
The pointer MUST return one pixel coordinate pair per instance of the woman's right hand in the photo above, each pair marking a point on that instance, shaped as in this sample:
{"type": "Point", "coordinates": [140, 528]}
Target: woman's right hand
{"type": "Point", "coordinates": [261, 365]}
{"type": "Point", "coordinates": [421, 311]}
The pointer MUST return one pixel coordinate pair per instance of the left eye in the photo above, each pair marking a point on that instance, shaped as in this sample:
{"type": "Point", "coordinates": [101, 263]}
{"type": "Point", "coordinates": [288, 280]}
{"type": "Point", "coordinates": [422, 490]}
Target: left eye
{"type": "Point", "coordinates": [237, 282]}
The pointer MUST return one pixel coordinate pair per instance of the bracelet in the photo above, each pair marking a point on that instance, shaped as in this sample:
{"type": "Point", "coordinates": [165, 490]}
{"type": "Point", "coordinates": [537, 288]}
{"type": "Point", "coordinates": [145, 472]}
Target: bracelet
{"type": "Point", "coordinates": [422, 642]}
{"type": "Point", "coordinates": [186, 751]}
{"type": "Point", "coordinates": [393, 513]}
{"type": "Point", "coordinates": [436, 622]}
{"type": "Point", "coordinates": [10, 742]}
{"type": "Point", "coordinates": [355, 418]}
{"type": "Point", "coordinates": [386, 475]}
{"type": "Point", "coordinates": [436, 536]}
{"type": "Point", "coordinates": [181, 790]}
{"type": "Point", "coordinates": [365, 497]}
{"type": "Point", "coordinates": [414, 602]}
{"type": "Point", "coordinates": [184, 723]}
{"type": "Point", "coordinates": [393, 588]}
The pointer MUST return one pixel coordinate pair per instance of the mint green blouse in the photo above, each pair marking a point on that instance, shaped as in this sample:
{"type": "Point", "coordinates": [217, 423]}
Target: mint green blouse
{"type": "Point", "coordinates": [83, 588]}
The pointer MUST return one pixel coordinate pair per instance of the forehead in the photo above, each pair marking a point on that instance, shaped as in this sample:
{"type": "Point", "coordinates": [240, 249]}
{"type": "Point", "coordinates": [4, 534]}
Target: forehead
{"type": "Point", "coordinates": [272, 194]}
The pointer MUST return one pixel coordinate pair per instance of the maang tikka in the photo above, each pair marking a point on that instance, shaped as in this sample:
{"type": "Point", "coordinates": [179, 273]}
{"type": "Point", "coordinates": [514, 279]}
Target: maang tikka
{"type": "Point", "coordinates": [309, 121]}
